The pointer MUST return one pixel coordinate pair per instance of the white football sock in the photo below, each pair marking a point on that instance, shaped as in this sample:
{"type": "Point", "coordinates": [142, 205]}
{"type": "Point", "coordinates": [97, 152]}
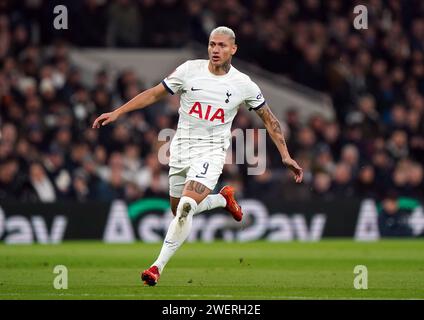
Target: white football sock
{"type": "Point", "coordinates": [178, 231]}
{"type": "Point", "coordinates": [212, 201]}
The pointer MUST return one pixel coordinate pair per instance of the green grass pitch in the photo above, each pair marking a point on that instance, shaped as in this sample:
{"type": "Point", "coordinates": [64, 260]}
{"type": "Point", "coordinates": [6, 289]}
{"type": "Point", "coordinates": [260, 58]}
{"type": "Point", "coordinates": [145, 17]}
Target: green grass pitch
{"type": "Point", "coordinates": [218, 270]}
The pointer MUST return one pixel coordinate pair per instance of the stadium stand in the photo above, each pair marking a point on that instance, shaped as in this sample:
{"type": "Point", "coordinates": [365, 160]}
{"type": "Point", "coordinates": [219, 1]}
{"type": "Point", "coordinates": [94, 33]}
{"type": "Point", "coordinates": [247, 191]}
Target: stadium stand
{"type": "Point", "coordinates": [374, 147]}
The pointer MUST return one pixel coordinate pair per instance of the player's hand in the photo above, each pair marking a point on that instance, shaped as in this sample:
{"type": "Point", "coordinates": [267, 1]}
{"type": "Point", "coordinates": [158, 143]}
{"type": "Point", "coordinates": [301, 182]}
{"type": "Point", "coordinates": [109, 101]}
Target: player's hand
{"type": "Point", "coordinates": [295, 168]}
{"type": "Point", "coordinates": [104, 119]}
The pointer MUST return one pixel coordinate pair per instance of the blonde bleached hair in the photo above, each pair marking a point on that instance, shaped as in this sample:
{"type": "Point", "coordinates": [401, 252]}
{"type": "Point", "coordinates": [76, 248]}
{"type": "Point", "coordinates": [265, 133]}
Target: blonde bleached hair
{"type": "Point", "coordinates": [224, 30]}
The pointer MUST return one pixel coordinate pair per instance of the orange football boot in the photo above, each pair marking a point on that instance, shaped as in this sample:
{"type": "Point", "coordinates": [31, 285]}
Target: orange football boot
{"type": "Point", "coordinates": [151, 276]}
{"type": "Point", "coordinates": [232, 206]}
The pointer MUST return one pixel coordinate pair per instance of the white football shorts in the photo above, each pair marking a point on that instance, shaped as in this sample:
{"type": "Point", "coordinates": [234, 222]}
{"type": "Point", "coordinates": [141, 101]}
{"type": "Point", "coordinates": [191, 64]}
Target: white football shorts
{"type": "Point", "coordinates": [204, 170]}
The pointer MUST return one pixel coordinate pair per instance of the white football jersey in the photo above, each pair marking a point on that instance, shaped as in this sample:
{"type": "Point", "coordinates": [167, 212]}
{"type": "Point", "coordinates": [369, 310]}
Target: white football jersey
{"type": "Point", "coordinates": [208, 105]}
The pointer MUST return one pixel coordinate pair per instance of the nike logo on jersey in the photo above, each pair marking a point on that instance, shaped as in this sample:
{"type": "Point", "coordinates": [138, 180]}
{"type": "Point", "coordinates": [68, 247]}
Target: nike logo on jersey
{"type": "Point", "coordinates": [193, 89]}
{"type": "Point", "coordinates": [197, 176]}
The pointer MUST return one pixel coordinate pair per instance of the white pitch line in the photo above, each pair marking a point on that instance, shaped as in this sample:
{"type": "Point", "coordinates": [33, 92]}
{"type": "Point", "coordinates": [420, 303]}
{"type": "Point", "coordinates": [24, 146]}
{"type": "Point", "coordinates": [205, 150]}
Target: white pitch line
{"type": "Point", "coordinates": [204, 295]}
{"type": "Point", "coordinates": [115, 295]}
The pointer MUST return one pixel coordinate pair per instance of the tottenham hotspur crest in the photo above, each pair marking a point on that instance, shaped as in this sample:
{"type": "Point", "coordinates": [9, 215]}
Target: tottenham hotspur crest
{"type": "Point", "coordinates": [228, 97]}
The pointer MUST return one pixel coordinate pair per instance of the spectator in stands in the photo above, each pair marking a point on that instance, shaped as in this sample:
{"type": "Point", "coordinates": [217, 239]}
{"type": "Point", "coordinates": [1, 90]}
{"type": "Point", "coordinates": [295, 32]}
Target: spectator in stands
{"type": "Point", "coordinates": [14, 183]}
{"type": "Point", "coordinates": [323, 159]}
{"type": "Point", "coordinates": [133, 192]}
{"type": "Point", "coordinates": [266, 183]}
{"type": "Point", "coordinates": [365, 186]}
{"type": "Point", "coordinates": [393, 221]}
{"type": "Point", "coordinates": [342, 181]}
{"type": "Point", "coordinates": [113, 187]}
{"type": "Point", "coordinates": [91, 24]}
{"type": "Point", "coordinates": [44, 190]}
{"type": "Point", "coordinates": [81, 190]}
{"type": "Point", "coordinates": [321, 186]}
{"type": "Point", "coordinates": [397, 145]}
{"type": "Point", "coordinates": [350, 156]}
{"type": "Point", "coordinates": [124, 23]}
{"type": "Point", "coordinates": [152, 173]}
{"type": "Point", "coordinates": [400, 178]}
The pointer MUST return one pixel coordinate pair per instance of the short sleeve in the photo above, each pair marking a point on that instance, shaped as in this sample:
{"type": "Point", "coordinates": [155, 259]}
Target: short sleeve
{"type": "Point", "coordinates": [254, 97]}
{"type": "Point", "coordinates": [175, 81]}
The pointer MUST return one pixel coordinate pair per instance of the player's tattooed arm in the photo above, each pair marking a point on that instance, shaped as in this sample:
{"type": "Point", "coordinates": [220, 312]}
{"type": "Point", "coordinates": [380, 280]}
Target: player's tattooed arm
{"type": "Point", "coordinates": [275, 131]}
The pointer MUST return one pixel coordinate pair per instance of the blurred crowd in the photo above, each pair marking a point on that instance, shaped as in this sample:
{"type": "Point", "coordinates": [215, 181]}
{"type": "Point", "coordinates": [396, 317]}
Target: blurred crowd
{"type": "Point", "coordinates": [373, 148]}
